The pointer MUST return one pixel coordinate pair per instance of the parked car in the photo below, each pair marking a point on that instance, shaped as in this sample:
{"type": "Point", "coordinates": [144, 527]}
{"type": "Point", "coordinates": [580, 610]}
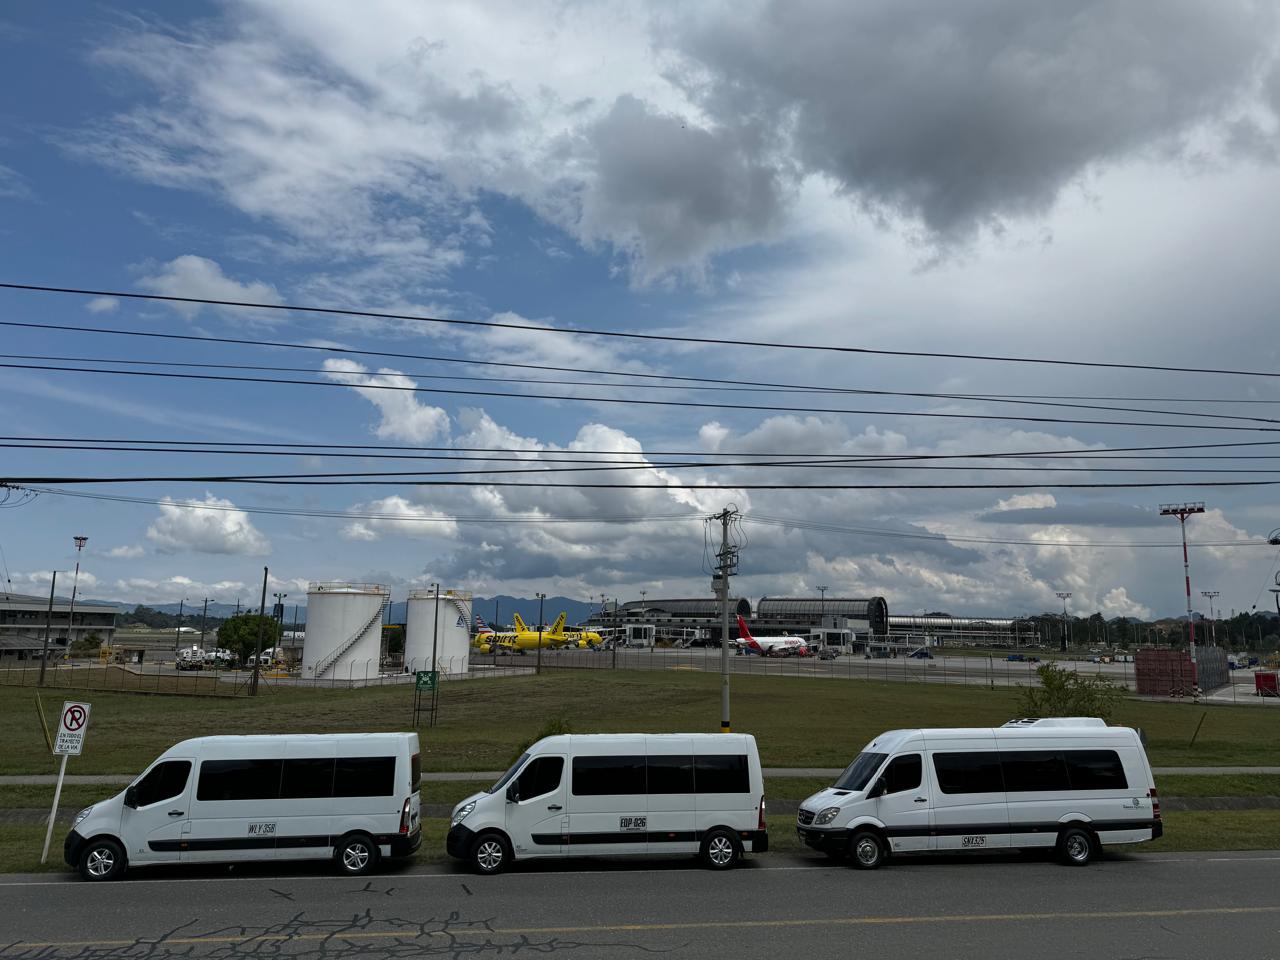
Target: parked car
{"type": "Point", "coordinates": [921, 654]}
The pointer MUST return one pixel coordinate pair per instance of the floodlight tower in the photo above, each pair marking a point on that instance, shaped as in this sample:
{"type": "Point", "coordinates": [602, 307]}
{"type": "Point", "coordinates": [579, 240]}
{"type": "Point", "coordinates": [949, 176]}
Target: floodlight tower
{"type": "Point", "coordinates": [75, 585]}
{"type": "Point", "coordinates": [1182, 511]}
{"type": "Point", "coordinates": [1064, 596]}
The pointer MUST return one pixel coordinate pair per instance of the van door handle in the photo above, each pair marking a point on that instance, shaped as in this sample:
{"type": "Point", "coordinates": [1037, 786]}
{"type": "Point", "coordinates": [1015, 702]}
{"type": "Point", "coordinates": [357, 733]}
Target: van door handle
{"type": "Point", "coordinates": [176, 813]}
{"type": "Point", "coordinates": [554, 806]}
{"type": "Point", "coordinates": [922, 799]}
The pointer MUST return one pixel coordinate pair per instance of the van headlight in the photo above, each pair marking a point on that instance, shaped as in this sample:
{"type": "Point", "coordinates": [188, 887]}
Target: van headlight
{"type": "Point", "coordinates": [826, 816]}
{"type": "Point", "coordinates": [462, 813]}
{"type": "Point", "coordinates": [80, 816]}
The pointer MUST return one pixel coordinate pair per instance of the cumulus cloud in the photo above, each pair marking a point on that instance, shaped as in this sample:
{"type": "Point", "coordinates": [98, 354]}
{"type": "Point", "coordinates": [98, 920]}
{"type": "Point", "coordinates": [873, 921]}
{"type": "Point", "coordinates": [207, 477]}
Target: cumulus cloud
{"type": "Point", "coordinates": [125, 552]}
{"type": "Point", "coordinates": [103, 305]}
{"type": "Point", "coordinates": [199, 277]}
{"type": "Point", "coordinates": [404, 417]}
{"type": "Point", "coordinates": [37, 582]}
{"type": "Point", "coordinates": [211, 525]}
{"type": "Point", "coordinates": [400, 517]}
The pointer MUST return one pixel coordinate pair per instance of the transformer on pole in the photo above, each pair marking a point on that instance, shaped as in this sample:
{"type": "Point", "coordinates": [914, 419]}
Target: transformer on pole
{"type": "Point", "coordinates": [1182, 511]}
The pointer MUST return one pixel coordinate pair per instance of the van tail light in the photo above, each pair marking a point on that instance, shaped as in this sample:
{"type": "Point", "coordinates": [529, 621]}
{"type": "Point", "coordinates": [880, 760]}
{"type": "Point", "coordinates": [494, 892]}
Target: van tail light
{"type": "Point", "coordinates": [1155, 803]}
{"type": "Point", "coordinates": [760, 825]}
{"type": "Point", "coordinates": [404, 817]}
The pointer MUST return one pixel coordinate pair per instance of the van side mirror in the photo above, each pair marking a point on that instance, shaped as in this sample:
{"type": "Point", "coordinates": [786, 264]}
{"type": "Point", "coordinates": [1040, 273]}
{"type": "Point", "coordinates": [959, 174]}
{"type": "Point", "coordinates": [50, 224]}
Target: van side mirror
{"type": "Point", "coordinates": [513, 792]}
{"type": "Point", "coordinates": [131, 798]}
{"type": "Point", "coordinates": [877, 789]}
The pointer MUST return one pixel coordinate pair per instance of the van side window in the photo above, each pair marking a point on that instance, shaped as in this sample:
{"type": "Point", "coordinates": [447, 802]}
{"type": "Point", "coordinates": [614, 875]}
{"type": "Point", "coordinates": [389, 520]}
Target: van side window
{"type": "Point", "coordinates": [1026, 771]}
{"type": "Point", "coordinates": [723, 773]}
{"type": "Point", "coordinates": [307, 777]}
{"type": "Point", "coordinates": [608, 776]}
{"type": "Point", "coordinates": [239, 780]}
{"type": "Point", "coordinates": [671, 774]}
{"type": "Point", "coordinates": [976, 772]}
{"type": "Point", "coordinates": [903, 773]}
{"type": "Point", "coordinates": [364, 777]}
{"type": "Point", "coordinates": [163, 782]}
{"type": "Point", "coordinates": [540, 777]}
{"type": "Point", "coordinates": [1096, 770]}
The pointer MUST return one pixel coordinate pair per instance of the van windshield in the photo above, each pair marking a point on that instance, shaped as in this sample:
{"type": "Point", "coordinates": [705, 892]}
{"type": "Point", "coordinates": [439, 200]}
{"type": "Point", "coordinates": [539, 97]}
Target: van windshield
{"type": "Point", "coordinates": [859, 773]}
{"type": "Point", "coordinates": [506, 777]}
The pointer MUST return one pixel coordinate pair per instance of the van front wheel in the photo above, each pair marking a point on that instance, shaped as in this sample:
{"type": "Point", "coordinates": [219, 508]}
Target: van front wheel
{"type": "Point", "coordinates": [1076, 847]}
{"type": "Point", "coordinates": [490, 854]}
{"type": "Point", "coordinates": [720, 850]}
{"type": "Point", "coordinates": [102, 859]}
{"type": "Point", "coordinates": [867, 851]}
{"type": "Point", "coordinates": [357, 855]}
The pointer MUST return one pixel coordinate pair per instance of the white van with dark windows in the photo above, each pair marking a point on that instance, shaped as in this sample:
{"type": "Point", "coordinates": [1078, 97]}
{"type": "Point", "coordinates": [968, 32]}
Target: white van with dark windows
{"type": "Point", "coordinates": [649, 795]}
{"type": "Point", "coordinates": [1069, 783]}
{"type": "Point", "coordinates": [350, 797]}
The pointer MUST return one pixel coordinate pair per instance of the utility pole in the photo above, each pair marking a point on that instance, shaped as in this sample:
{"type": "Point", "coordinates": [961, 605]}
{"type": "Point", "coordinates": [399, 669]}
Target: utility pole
{"type": "Point", "coordinates": [1182, 511]}
{"type": "Point", "coordinates": [71, 614]}
{"type": "Point", "coordinates": [1064, 596]}
{"type": "Point", "coordinates": [1213, 624]}
{"type": "Point", "coordinates": [726, 565]}
{"type": "Point", "coordinates": [435, 662]}
{"type": "Point", "coordinates": [48, 626]}
{"type": "Point", "coordinates": [822, 608]}
{"type": "Point", "coordinates": [262, 620]}
{"type": "Point", "coordinates": [541, 597]}
{"type": "Point", "coordinates": [177, 631]}
{"type": "Point", "coordinates": [204, 613]}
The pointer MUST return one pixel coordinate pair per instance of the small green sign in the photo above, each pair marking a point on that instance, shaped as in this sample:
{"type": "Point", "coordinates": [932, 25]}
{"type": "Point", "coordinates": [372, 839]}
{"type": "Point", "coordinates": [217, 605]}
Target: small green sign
{"type": "Point", "coordinates": [426, 679]}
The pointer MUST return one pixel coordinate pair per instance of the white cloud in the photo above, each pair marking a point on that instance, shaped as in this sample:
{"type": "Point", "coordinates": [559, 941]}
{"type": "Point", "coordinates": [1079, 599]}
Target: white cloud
{"type": "Point", "coordinates": [199, 277]}
{"type": "Point", "coordinates": [103, 305]}
{"type": "Point", "coordinates": [126, 552]}
{"type": "Point", "coordinates": [12, 184]}
{"type": "Point", "coordinates": [404, 417]}
{"type": "Point", "coordinates": [402, 518]}
{"type": "Point", "coordinates": [211, 525]}
{"type": "Point", "coordinates": [37, 582]}
{"type": "Point", "coordinates": [178, 587]}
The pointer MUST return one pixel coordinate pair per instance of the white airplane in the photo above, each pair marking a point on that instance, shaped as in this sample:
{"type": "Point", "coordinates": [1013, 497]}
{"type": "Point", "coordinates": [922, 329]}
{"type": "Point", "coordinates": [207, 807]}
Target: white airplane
{"type": "Point", "coordinates": [784, 646]}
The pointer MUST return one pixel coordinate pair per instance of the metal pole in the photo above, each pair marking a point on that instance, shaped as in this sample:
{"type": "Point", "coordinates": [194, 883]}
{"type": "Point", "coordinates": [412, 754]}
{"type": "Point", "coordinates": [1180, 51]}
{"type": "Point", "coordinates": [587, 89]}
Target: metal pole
{"type": "Point", "coordinates": [204, 613]}
{"type": "Point", "coordinates": [57, 795]}
{"type": "Point", "coordinates": [1186, 572]}
{"type": "Point", "coordinates": [538, 668]}
{"type": "Point", "coordinates": [71, 615]}
{"type": "Point", "coordinates": [724, 621]}
{"type": "Point", "coordinates": [435, 635]}
{"type": "Point", "coordinates": [257, 653]}
{"type": "Point", "coordinates": [48, 627]}
{"type": "Point", "coordinates": [177, 631]}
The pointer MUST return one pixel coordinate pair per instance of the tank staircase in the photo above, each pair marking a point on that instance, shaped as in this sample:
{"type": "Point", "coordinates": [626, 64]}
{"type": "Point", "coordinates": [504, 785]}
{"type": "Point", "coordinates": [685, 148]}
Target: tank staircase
{"type": "Point", "coordinates": [326, 664]}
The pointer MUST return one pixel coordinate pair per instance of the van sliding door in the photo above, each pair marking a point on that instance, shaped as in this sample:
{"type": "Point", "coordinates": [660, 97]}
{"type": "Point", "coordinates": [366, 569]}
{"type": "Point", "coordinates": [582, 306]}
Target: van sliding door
{"type": "Point", "coordinates": [969, 808]}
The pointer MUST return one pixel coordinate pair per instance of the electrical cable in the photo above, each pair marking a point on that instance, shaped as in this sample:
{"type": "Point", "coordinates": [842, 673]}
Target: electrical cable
{"type": "Point", "coordinates": [620, 334]}
{"type": "Point", "coordinates": [492, 394]}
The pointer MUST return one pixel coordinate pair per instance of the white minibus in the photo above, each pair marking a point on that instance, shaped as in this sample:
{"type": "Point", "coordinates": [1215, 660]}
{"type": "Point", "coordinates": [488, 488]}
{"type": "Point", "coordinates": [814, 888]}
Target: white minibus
{"type": "Point", "coordinates": [692, 794]}
{"type": "Point", "coordinates": [1068, 783]}
{"type": "Point", "coordinates": [352, 797]}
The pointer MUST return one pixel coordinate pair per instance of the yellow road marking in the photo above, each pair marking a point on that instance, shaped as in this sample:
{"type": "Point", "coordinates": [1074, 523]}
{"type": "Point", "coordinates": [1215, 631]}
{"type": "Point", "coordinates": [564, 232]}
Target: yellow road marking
{"type": "Point", "coordinates": [481, 930]}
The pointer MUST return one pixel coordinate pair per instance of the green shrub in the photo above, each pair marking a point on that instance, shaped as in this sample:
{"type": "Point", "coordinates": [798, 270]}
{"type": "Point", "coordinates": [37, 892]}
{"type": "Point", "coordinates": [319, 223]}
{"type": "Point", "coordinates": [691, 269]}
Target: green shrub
{"type": "Point", "coordinates": [554, 726]}
{"type": "Point", "coordinates": [1066, 693]}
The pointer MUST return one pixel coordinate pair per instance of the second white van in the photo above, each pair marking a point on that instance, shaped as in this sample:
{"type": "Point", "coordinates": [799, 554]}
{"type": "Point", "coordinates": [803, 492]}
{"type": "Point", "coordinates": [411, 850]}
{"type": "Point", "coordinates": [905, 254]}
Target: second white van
{"type": "Point", "coordinates": [692, 794]}
{"type": "Point", "coordinates": [352, 798]}
{"type": "Point", "coordinates": [1068, 783]}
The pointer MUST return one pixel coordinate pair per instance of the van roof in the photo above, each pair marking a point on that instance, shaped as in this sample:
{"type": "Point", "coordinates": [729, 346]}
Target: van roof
{"type": "Point", "coordinates": [260, 738]}
{"type": "Point", "coordinates": [1021, 731]}
{"type": "Point", "coordinates": [563, 740]}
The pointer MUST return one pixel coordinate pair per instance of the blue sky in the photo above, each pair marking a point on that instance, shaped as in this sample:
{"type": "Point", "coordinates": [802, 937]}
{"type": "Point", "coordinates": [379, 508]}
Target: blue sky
{"type": "Point", "coordinates": [1032, 180]}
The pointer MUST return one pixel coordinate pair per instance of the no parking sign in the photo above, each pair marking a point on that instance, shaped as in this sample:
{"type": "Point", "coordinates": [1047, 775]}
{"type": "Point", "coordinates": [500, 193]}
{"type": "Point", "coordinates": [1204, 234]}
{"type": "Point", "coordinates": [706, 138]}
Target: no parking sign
{"type": "Point", "coordinates": [71, 729]}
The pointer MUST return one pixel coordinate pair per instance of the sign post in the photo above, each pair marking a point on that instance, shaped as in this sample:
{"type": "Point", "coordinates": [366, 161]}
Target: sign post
{"type": "Point", "coordinates": [424, 681]}
{"type": "Point", "coordinates": [67, 742]}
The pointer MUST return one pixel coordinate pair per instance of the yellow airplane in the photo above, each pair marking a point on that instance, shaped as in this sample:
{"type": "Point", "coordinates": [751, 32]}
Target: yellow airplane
{"type": "Point", "coordinates": [562, 638]}
{"type": "Point", "coordinates": [522, 638]}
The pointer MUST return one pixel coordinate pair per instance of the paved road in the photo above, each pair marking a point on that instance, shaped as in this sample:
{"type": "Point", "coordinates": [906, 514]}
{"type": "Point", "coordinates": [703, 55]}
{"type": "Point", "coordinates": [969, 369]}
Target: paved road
{"type": "Point", "coordinates": [1192, 906]}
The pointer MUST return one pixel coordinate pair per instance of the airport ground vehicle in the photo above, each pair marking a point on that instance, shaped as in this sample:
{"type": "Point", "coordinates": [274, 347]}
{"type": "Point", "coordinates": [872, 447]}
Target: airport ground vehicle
{"type": "Point", "coordinates": [1070, 783]}
{"type": "Point", "coordinates": [350, 797]}
{"type": "Point", "coordinates": [619, 795]}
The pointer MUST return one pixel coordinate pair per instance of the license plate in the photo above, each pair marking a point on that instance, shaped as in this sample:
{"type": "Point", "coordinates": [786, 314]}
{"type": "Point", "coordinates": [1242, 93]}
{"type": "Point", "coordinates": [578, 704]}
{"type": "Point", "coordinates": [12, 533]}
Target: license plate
{"type": "Point", "coordinates": [632, 824]}
{"type": "Point", "coordinates": [973, 841]}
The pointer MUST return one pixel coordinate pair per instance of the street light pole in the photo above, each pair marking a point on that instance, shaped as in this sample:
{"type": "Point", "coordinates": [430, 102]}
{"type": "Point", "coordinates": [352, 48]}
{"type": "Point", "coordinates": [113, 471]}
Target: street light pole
{"type": "Point", "coordinates": [48, 626]}
{"type": "Point", "coordinates": [1064, 596]}
{"type": "Point", "coordinates": [822, 608]}
{"type": "Point", "coordinates": [204, 613]}
{"type": "Point", "coordinates": [1213, 624]}
{"type": "Point", "coordinates": [71, 615]}
{"type": "Point", "coordinates": [541, 597]}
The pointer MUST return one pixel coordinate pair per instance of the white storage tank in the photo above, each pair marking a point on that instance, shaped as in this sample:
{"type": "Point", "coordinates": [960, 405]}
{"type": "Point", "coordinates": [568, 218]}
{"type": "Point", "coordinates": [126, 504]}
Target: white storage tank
{"type": "Point", "coordinates": [344, 630]}
{"type": "Point", "coordinates": [450, 630]}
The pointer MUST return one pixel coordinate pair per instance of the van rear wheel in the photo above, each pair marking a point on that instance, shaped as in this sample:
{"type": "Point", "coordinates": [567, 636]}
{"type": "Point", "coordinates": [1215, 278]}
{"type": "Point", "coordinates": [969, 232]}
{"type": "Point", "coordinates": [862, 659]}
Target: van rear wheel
{"type": "Point", "coordinates": [490, 853]}
{"type": "Point", "coordinates": [867, 851]}
{"type": "Point", "coordinates": [357, 855]}
{"type": "Point", "coordinates": [720, 850]}
{"type": "Point", "coordinates": [1076, 847]}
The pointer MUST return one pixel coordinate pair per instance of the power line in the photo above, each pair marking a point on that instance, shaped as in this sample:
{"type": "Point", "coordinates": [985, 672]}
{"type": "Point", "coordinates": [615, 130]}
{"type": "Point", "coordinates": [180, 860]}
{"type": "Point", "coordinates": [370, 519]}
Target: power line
{"type": "Point", "coordinates": [700, 404]}
{"type": "Point", "coordinates": [621, 334]}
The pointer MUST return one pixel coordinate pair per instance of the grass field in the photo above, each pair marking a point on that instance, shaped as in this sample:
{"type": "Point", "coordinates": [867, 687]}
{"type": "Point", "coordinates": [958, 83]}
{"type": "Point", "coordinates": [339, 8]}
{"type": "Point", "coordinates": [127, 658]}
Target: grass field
{"type": "Point", "coordinates": [483, 723]}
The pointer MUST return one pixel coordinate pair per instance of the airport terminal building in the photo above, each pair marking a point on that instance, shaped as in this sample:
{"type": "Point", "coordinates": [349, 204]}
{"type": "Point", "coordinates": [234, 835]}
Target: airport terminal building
{"type": "Point", "coordinates": [25, 618]}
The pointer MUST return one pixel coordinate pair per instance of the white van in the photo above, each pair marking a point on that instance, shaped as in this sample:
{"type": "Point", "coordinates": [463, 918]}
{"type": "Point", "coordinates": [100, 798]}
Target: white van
{"type": "Point", "coordinates": [352, 797]}
{"type": "Point", "coordinates": [1071, 783]}
{"type": "Point", "coordinates": [695, 794]}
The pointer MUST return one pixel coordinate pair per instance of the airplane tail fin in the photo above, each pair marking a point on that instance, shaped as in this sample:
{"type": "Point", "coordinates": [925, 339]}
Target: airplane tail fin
{"type": "Point", "coordinates": [557, 628]}
{"type": "Point", "coordinates": [745, 634]}
{"type": "Point", "coordinates": [521, 627]}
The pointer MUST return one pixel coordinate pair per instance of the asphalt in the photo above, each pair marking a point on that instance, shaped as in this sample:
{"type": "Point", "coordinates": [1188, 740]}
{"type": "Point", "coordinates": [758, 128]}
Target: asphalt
{"type": "Point", "coordinates": [992, 907]}
{"type": "Point", "coordinates": [488, 776]}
